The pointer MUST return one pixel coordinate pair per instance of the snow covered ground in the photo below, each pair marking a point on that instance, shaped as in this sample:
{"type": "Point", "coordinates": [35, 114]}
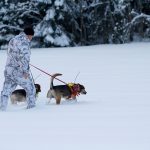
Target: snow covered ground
{"type": "Point", "coordinates": [114, 115]}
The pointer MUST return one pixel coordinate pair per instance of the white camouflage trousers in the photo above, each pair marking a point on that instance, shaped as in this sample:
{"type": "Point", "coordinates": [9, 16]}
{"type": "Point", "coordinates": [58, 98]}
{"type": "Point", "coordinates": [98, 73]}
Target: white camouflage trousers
{"type": "Point", "coordinates": [10, 84]}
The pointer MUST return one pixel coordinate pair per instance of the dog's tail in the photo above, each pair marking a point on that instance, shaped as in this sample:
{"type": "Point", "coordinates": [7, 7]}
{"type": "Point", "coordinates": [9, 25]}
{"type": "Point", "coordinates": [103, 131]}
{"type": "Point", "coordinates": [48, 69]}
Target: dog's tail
{"type": "Point", "coordinates": [52, 78]}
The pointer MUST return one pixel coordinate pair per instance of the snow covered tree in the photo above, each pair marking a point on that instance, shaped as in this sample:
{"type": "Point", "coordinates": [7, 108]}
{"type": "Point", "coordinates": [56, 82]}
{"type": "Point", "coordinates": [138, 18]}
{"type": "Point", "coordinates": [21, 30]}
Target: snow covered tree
{"type": "Point", "coordinates": [97, 18]}
{"type": "Point", "coordinates": [15, 16]}
{"type": "Point", "coordinates": [136, 26]}
{"type": "Point", "coordinates": [76, 22]}
{"type": "Point", "coordinates": [50, 31]}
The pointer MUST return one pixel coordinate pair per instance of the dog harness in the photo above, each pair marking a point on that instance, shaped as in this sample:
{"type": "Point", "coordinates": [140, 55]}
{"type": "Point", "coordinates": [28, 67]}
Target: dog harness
{"type": "Point", "coordinates": [75, 89]}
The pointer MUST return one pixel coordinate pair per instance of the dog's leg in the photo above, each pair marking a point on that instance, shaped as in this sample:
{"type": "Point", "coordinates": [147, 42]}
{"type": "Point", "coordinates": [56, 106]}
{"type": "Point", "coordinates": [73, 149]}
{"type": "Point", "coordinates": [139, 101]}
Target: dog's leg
{"type": "Point", "coordinates": [49, 100]}
{"type": "Point", "coordinates": [58, 99]}
{"type": "Point", "coordinates": [14, 102]}
{"type": "Point", "coordinates": [49, 95]}
{"type": "Point", "coordinates": [74, 97]}
{"type": "Point", "coordinates": [13, 99]}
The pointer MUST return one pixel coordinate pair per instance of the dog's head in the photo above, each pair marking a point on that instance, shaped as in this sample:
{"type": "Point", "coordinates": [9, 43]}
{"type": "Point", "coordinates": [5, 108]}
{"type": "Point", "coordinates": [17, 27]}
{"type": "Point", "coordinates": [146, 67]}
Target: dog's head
{"type": "Point", "coordinates": [38, 88]}
{"type": "Point", "coordinates": [81, 89]}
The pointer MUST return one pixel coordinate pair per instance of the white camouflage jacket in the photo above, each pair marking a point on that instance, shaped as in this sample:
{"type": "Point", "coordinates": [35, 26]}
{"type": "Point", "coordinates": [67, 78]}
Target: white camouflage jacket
{"type": "Point", "coordinates": [19, 53]}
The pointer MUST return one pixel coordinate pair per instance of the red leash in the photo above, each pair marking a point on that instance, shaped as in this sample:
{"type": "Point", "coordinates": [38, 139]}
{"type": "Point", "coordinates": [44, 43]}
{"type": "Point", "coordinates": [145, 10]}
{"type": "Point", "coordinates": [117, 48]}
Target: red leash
{"type": "Point", "coordinates": [47, 73]}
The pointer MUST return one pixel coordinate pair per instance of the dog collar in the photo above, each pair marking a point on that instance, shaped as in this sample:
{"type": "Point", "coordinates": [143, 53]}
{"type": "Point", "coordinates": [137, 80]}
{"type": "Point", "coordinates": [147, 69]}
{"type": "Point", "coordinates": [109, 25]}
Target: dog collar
{"type": "Point", "coordinates": [75, 88]}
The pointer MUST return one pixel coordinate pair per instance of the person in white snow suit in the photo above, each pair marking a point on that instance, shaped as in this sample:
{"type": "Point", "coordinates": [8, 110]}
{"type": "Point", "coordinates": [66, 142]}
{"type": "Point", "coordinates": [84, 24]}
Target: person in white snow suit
{"type": "Point", "coordinates": [17, 69]}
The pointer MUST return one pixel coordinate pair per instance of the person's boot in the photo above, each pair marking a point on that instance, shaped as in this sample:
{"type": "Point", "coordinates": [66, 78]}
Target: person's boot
{"type": "Point", "coordinates": [30, 106]}
{"type": "Point", "coordinates": [3, 102]}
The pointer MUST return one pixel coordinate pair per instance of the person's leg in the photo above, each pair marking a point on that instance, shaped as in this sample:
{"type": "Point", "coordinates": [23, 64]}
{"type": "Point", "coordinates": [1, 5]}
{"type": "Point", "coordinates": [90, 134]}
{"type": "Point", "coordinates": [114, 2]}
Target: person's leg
{"type": "Point", "coordinates": [8, 87]}
{"type": "Point", "coordinates": [29, 87]}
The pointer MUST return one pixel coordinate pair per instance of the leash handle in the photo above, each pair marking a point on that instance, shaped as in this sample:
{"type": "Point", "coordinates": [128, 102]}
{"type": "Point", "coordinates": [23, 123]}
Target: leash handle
{"type": "Point", "coordinates": [47, 73]}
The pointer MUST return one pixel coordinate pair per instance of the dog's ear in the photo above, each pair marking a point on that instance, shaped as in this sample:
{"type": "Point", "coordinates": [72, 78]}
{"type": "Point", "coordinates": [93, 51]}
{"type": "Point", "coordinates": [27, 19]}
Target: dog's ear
{"type": "Point", "coordinates": [81, 86]}
{"type": "Point", "coordinates": [38, 87]}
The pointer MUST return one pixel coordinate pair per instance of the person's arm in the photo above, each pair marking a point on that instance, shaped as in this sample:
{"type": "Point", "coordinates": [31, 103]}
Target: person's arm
{"type": "Point", "coordinates": [25, 58]}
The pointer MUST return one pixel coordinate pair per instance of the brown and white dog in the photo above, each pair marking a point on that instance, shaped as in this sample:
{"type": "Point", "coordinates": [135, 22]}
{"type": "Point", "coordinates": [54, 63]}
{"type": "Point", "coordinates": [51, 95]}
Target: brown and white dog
{"type": "Point", "coordinates": [19, 95]}
{"type": "Point", "coordinates": [69, 91]}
